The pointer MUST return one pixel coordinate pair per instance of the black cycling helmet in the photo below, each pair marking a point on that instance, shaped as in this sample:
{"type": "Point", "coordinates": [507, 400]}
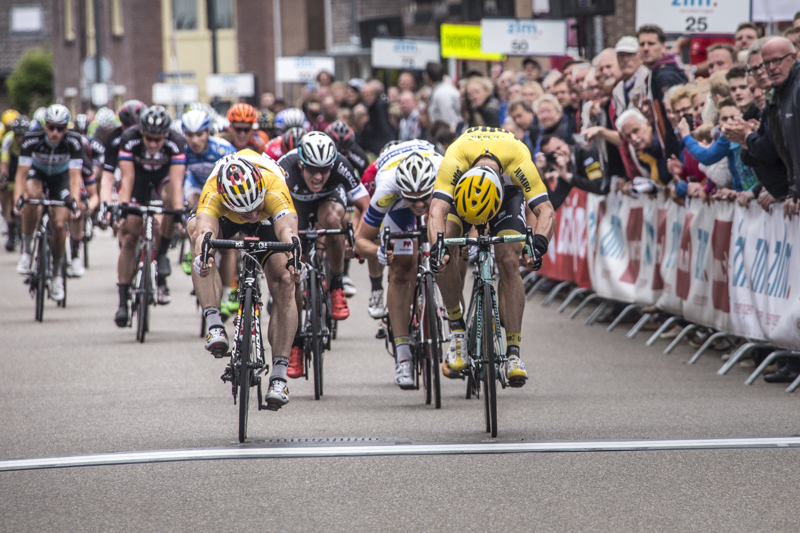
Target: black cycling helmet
{"type": "Point", "coordinates": [20, 125]}
{"type": "Point", "coordinates": [129, 112]}
{"type": "Point", "coordinates": [81, 124]}
{"type": "Point", "coordinates": [343, 137]}
{"type": "Point", "coordinates": [155, 120]}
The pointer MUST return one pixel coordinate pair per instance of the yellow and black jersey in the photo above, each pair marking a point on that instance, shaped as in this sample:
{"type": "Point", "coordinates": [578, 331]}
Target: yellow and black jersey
{"type": "Point", "coordinates": [511, 154]}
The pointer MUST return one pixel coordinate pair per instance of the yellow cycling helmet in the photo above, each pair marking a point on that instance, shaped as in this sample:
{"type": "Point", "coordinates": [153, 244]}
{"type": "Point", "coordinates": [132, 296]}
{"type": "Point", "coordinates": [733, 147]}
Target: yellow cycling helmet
{"type": "Point", "coordinates": [478, 195]}
{"type": "Point", "coordinates": [8, 117]}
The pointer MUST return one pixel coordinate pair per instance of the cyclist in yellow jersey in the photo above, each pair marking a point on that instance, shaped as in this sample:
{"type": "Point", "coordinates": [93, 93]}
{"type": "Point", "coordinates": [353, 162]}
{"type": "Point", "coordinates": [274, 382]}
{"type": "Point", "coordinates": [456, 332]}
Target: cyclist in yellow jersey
{"type": "Point", "coordinates": [487, 177]}
{"type": "Point", "coordinates": [246, 194]}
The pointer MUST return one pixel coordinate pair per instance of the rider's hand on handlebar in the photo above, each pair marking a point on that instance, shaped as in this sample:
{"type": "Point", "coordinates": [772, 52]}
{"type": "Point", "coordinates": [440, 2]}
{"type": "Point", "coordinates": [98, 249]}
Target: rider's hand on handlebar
{"type": "Point", "coordinates": [203, 270]}
{"type": "Point", "coordinates": [385, 257]}
{"type": "Point", "coordinates": [438, 265]}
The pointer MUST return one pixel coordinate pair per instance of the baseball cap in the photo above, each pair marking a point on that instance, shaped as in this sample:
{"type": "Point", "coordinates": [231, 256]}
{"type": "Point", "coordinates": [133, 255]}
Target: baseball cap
{"type": "Point", "coordinates": [627, 45]}
{"type": "Point", "coordinates": [357, 84]}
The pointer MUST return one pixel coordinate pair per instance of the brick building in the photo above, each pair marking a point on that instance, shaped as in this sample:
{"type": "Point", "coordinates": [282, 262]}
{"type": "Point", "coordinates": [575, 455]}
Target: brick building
{"type": "Point", "coordinates": [24, 24]}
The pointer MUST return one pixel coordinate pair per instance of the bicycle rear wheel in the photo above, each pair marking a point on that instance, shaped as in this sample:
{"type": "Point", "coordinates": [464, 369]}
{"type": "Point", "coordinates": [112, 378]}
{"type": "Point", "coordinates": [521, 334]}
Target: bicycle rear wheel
{"type": "Point", "coordinates": [490, 375]}
{"type": "Point", "coordinates": [40, 271]}
{"type": "Point", "coordinates": [317, 322]}
{"type": "Point", "coordinates": [244, 362]}
{"type": "Point", "coordinates": [434, 343]}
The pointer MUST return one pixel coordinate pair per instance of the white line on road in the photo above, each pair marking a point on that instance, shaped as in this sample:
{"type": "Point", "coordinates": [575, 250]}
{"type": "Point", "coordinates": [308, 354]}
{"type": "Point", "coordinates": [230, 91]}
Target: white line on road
{"type": "Point", "coordinates": [445, 448]}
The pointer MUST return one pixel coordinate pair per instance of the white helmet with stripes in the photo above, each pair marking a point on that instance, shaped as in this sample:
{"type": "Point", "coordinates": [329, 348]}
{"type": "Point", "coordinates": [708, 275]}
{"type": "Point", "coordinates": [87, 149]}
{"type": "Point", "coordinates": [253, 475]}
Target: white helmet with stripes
{"type": "Point", "coordinates": [415, 175]}
{"type": "Point", "coordinates": [317, 150]}
{"type": "Point", "coordinates": [240, 184]}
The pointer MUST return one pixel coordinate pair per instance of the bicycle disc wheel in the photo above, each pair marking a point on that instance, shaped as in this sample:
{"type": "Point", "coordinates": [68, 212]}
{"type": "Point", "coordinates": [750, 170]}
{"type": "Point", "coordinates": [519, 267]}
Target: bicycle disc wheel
{"type": "Point", "coordinates": [42, 253]}
{"type": "Point", "coordinates": [244, 363]}
{"type": "Point", "coordinates": [434, 341]}
{"type": "Point", "coordinates": [490, 377]}
{"type": "Point", "coordinates": [315, 296]}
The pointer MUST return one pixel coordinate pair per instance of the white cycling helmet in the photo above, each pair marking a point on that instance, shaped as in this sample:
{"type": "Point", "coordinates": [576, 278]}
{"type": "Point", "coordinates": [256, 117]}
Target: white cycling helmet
{"type": "Point", "coordinates": [195, 121]}
{"type": "Point", "coordinates": [317, 150]}
{"type": "Point", "coordinates": [415, 175]}
{"type": "Point", "coordinates": [290, 118]}
{"type": "Point", "coordinates": [106, 119]}
{"type": "Point", "coordinates": [57, 114]}
{"type": "Point", "coordinates": [240, 184]}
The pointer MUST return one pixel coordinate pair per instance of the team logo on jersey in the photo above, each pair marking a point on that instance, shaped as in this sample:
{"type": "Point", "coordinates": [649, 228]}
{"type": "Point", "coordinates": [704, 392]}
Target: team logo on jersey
{"type": "Point", "coordinates": [386, 201]}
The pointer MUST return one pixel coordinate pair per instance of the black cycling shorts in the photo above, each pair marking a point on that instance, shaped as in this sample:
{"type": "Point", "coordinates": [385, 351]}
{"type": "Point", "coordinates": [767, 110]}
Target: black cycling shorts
{"type": "Point", "coordinates": [306, 209]}
{"type": "Point", "coordinates": [56, 186]}
{"type": "Point", "coordinates": [146, 187]}
{"type": "Point", "coordinates": [510, 220]}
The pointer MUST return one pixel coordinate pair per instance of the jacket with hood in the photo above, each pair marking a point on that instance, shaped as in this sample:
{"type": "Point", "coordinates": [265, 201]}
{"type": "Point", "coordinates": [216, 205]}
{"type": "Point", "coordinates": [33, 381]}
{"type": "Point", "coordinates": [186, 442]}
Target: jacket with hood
{"type": "Point", "coordinates": [783, 113]}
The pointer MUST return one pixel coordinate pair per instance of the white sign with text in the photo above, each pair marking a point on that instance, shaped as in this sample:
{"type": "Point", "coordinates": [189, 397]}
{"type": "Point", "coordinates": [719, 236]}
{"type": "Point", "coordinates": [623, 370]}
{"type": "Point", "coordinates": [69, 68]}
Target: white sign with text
{"type": "Point", "coordinates": [170, 94]}
{"type": "Point", "coordinates": [693, 16]}
{"type": "Point", "coordinates": [230, 85]}
{"type": "Point", "coordinates": [520, 37]}
{"type": "Point", "coordinates": [404, 53]}
{"type": "Point", "coordinates": [302, 69]}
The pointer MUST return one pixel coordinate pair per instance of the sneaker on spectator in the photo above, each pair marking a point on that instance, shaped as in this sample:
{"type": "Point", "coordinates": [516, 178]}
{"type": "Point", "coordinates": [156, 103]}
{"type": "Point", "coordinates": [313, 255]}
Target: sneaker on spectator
{"type": "Point", "coordinates": [671, 334]}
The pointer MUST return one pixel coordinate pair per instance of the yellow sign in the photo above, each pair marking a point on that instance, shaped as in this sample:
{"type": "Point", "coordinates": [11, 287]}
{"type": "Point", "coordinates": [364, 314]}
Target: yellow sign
{"type": "Point", "coordinates": [463, 41]}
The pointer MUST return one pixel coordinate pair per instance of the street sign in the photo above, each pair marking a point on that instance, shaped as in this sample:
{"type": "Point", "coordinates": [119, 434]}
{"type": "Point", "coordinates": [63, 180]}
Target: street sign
{"type": "Point", "coordinates": [89, 69]}
{"type": "Point", "coordinates": [302, 69]}
{"type": "Point", "coordinates": [693, 16]}
{"type": "Point", "coordinates": [403, 53]}
{"type": "Point", "coordinates": [164, 75]}
{"type": "Point", "coordinates": [463, 41]}
{"type": "Point", "coordinates": [231, 85]}
{"type": "Point", "coordinates": [170, 94]}
{"type": "Point", "coordinates": [100, 94]}
{"type": "Point", "coordinates": [517, 37]}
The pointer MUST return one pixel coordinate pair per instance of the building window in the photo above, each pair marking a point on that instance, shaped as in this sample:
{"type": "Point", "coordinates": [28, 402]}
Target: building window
{"type": "Point", "coordinates": [27, 19]}
{"type": "Point", "coordinates": [117, 27]}
{"type": "Point", "coordinates": [223, 11]}
{"type": "Point", "coordinates": [184, 14]}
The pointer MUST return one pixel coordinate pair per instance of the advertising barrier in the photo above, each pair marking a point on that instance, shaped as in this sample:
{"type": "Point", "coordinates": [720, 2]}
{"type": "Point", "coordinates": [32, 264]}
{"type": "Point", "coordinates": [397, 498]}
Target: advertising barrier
{"type": "Point", "coordinates": [566, 259]}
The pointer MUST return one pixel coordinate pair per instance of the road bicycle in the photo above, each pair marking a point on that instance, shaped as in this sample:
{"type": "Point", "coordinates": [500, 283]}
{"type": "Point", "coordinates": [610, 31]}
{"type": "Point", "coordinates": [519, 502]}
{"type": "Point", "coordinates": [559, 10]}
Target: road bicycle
{"type": "Point", "coordinates": [41, 275]}
{"type": "Point", "coordinates": [144, 282]}
{"type": "Point", "coordinates": [425, 327]}
{"type": "Point", "coordinates": [319, 327]}
{"type": "Point", "coordinates": [247, 362]}
{"type": "Point", "coordinates": [484, 338]}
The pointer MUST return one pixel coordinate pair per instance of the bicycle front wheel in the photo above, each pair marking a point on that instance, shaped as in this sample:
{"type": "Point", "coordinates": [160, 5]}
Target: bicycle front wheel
{"type": "Point", "coordinates": [40, 265]}
{"type": "Point", "coordinates": [490, 376]}
{"type": "Point", "coordinates": [245, 347]}
{"type": "Point", "coordinates": [315, 295]}
{"type": "Point", "coordinates": [434, 343]}
{"type": "Point", "coordinates": [143, 294]}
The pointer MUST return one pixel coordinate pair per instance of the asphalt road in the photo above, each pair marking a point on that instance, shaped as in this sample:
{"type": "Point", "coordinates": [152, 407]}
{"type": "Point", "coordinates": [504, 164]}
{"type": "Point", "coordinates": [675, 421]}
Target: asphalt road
{"type": "Point", "coordinates": [77, 384]}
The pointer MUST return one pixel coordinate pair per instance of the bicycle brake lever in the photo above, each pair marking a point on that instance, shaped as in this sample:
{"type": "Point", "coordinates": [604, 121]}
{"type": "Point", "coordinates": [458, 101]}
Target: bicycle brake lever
{"type": "Point", "coordinates": [350, 236]}
{"type": "Point", "coordinates": [295, 262]}
{"type": "Point", "coordinates": [206, 249]}
{"type": "Point", "coordinates": [528, 248]}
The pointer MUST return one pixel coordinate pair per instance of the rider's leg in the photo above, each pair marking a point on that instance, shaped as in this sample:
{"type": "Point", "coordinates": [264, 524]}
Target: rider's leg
{"type": "Point", "coordinates": [167, 231]}
{"type": "Point", "coordinates": [450, 282]}
{"type": "Point", "coordinates": [283, 319]}
{"type": "Point", "coordinates": [512, 296]}
{"type": "Point", "coordinates": [30, 213]}
{"type": "Point", "coordinates": [329, 216]}
{"type": "Point", "coordinates": [399, 297]}
{"type": "Point", "coordinates": [129, 231]}
{"type": "Point", "coordinates": [209, 291]}
{"type": "Point", "coordinates": [60, 219]}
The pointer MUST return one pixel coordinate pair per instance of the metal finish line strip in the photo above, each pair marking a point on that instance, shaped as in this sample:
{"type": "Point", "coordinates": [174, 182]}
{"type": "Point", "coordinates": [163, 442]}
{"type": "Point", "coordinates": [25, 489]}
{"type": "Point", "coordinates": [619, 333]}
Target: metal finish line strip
{"type": "Point", "coordinates": [297, 452]}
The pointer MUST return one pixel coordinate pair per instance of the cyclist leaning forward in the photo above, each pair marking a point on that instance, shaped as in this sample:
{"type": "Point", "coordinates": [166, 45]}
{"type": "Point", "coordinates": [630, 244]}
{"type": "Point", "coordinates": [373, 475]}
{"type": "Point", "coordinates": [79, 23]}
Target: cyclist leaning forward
{"type": "Point", "coordinates": [51, 157]}
{"type": "Point", "coordinates": [404, 184]}
{"type": "Point", "coordinates": [9, 156]}
{"type": "Point", "coordinates": [151, 164]}
{"type": "Point", "coordinates": [487, 176]}
{"type": "Point", "coordinates": [322, 182]}
{"type": "Point", "coordinates": [247, 194]}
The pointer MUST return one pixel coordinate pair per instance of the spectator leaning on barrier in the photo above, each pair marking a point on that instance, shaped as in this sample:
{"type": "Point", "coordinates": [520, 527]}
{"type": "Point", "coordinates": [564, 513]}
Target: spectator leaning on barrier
{"type": "Point", "coordinates": [664, 73]}
{"type": "Point", "coordinates": [445, 100]}
{"type": "Point", "coordinates": [564, 167]}
{"type": "Point", "coordinates": [783, 110]}
{"type": "Point", "coordinates": [646, 150]}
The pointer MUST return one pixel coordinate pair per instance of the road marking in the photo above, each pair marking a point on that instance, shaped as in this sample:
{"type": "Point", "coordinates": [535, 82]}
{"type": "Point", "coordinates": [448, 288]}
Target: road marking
{"type": "Point", "coordinates": [443, 448]}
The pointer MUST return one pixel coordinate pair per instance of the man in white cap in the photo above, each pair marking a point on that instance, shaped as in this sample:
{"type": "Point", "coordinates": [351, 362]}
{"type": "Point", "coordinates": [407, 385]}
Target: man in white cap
{"type": "Point", "coordinates": [632, 89]}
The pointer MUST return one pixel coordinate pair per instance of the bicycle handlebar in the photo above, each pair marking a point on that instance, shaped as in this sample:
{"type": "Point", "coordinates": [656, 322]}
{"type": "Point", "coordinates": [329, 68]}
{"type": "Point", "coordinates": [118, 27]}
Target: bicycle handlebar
{"type": "Point", "coordinates": [150, 209]}
{"type": "Point", "coordinates": [485, 241]}
{"type": "Point", "coordinates": [250, 244]}
{"type": "Point", "coordinates": [72, 205]}
{"type": "Point", "coordinates": [314, 234]}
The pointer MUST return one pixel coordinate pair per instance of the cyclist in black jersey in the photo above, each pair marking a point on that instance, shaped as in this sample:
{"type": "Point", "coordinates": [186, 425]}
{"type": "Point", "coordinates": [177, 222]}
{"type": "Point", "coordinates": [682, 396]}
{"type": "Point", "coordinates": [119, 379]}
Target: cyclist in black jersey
{"type": "Point", "coordinates": [50, 158]}
{"type": "Point", "coordinates": [128, 116]}
{"type": "Point", "coordinates": [152, 162]}
{"type": "Point", "coordinates": [345, 140]}
{"type": "Point", "coordinates": [89, 201]}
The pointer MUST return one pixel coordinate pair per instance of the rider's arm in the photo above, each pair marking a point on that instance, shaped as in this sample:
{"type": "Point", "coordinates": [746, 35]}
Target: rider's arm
{"type": "Point", "coordinates": [365, 241]}
{"type": "Point", "coordinates": [361, 205]}
{"type": "Point", "coordinates": [437, 218]}
{"type": "Point", "coordinates": [107, 186]}
{"type": "Point", "coordinates": [127, 177]}
{"type": "Point", "coordinates": [176, 173]}
{"type": "Point", "coordinates": [21, 178]}
{"type": "Point", "coordinates": [286, 227]}
{"type": "Point", "coordinates": [545, 223]}
{"type": "Point", "coordinates": [94, 199]}
{"type": "Point", "coordinates": [75, 181]}
{"type": "Point", "coordinates": [204, 224]}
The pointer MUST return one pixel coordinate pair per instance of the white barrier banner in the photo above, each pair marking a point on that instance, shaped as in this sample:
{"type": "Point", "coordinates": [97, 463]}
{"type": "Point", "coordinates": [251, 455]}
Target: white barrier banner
{"type": "Point", "coordinates": [622, 234]}
{"type": "Point", "coordinates": [765, 278]}
{"type": "Point", "coordinates": [703, 265]}
{"type": "Point", "coordinates": [673, 230]}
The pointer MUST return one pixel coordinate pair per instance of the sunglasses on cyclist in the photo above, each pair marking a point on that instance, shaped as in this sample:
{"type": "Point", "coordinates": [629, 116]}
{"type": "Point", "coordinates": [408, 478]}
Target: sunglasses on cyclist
{"type": "Point", "coordinates": [417, 199]}
{"type": "Point", "coordinates": [56, 127]}
{"type": "Point", "coordinates": [316, 170]}
{"type": "Point", "coordinates": [153, 138]}
{"type": "Point", "coordinates": [239, 129]}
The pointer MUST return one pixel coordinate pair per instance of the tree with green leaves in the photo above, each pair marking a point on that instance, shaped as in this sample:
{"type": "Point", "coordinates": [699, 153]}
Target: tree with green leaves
{"type": "Point", "coordinates": [31, 84]}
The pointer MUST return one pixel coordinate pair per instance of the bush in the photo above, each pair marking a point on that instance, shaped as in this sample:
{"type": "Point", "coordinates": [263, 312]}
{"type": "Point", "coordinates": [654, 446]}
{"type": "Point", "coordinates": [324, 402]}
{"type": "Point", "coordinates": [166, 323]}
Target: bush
{"type": "Point", "coordinates": [31, 83]}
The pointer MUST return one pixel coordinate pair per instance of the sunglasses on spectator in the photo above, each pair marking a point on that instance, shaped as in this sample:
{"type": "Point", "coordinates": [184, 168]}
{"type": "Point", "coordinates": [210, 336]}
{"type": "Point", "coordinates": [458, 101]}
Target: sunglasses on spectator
{"type": "Point", "coordinates": [55, 127]}
{"type": "Point", "coordinates": [153, 139]}
{"type": "Point", "coordinates": [240, 129]}
{"type": "Point", "coordinates": [777, 61]}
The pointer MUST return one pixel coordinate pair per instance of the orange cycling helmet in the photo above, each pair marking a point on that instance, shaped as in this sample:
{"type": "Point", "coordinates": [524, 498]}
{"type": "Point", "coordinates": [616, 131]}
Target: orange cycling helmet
{"type": "Point", "coordinates": [242, 113]}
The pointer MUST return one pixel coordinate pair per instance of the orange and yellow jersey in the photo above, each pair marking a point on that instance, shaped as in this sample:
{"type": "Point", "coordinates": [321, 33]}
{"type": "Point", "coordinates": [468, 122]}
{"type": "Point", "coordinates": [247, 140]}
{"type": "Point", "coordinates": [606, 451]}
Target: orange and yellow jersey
{"type": "Point", "coordinates": [514, 158]}
{"type": "Point", "coordinates": [277, 202]}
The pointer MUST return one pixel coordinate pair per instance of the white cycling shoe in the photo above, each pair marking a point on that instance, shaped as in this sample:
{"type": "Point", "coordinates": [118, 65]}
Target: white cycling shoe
{"type": "Point", "coordinates": [278, 393]}
{"type": "Point", "coordinates": [457, 357]}
{"type": "Point", "coordinates": [75, 268]}
{"type": "Point", "coordinates": [348, 286]}
{"type": "Point", "coordinates": [404, 375]}
{"type": "Point", "coordinates": [57, 288]}
{"type": "Point", "coordinates": [24, 264]}
{"type": "Point", "coordinates": [376, 308]}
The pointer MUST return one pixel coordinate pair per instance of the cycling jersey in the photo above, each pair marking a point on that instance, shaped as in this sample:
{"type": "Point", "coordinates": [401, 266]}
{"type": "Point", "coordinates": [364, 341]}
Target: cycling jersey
{"type": "Point", "coordinates": [151, 171]}
{"type": "Point", "coordinates": [258, 140]}
{"type": "Point", "coordinates": [511, 154]}
{"type": "Point", "coordinates": [277, 202]}
{"type": "Point", "coordinates": [357, 158]}
{"type": "Point", "coordinates": [274, 148]}
{"type": "Point", "coordinates": [368, 179]}
{"type": "Point", "coordinates": [93, 157]}
{"type": "Point", "coordinates": [387, 195]}
{"type": "Point", "coordinates": [199, 166]}
{"type": "Point", "coordinates": [342, 175]}
{"type": "Point", "coordinates": [37, 153]}
{"type": "Point", "coordinates": [112, 149]}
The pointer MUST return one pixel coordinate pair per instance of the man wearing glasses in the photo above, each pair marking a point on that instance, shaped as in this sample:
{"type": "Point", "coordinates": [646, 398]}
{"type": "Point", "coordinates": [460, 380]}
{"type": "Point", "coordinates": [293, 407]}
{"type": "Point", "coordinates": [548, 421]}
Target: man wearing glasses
{"type": "Point", "coordinates": [322, 182]}
{"type": "Point", "coordinates": [52, 159]}
{"type": "Point", "coordinates": [151, 162]}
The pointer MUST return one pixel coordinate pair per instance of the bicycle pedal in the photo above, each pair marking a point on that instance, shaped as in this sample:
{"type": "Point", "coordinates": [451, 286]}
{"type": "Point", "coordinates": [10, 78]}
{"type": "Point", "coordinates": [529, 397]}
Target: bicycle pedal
{"type": "Point", "coordinates": [517, 382]}
{"type": "Point", "coordinates": [272, 406]}
{"type": "Point", "coordinates": [219, 354]}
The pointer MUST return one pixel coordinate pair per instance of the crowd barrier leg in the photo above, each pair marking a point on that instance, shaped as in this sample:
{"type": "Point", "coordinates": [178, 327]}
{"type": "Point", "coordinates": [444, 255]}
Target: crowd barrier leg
{"type": "Point", "coordinates": [535, 288]}
{"type": "Point", "coordinates": [768, 361]}
{"type": "Point", "coordinates": [794, 385]}
{"type": "Point", "coordinates": [586, 301]}
{"type": "Point", "coordinates": [646, 319]}
{"type": "Point", "coordinates": [706, 345]}
{"type": "Point", "coordinates": [553, 293]}
{"type": "Point", "coordinates": [664, 327]}
{"type": "Point", "coordinates": [740, 354]}
{"type": "Point", "coordinates": [685, 331]}
{"type": "Point", "coordinates": [574, 294]}
{"type": "Point", "coordinates": [621, 316]}
{"type": "Point", "coordinates": [597, 312]}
